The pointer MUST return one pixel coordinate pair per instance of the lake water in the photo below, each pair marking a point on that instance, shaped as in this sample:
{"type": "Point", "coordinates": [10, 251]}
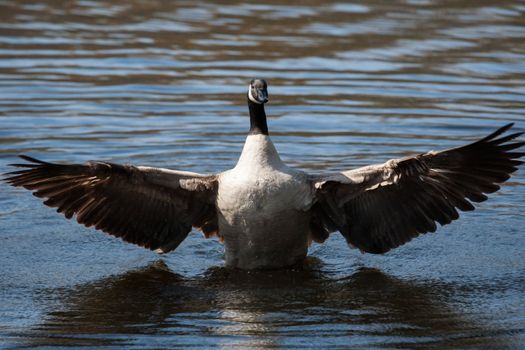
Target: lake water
{"type": "Point", "coordinates": [163, 83]}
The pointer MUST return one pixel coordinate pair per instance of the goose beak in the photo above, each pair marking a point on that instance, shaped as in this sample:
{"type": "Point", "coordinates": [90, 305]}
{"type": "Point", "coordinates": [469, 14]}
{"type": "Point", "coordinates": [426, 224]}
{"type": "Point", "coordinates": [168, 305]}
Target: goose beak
{"type": "Point", "coordinates": [262, 95]}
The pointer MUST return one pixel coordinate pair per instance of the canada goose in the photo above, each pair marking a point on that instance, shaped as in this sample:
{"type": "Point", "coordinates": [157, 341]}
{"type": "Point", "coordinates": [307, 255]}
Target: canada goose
{"type": "Point", "coordinates": [267, 213]}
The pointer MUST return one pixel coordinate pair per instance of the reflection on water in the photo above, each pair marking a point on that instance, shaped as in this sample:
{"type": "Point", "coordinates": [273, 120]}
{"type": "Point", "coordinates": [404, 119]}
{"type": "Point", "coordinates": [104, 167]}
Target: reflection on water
{"type": "Point", "coordinates": [258, 310]}
{"type": "Point", "coordinates": [351, 83]}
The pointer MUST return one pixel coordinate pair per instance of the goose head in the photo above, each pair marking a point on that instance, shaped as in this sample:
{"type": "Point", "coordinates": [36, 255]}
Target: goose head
{"type": "Point", "coordinates": [258, 91]}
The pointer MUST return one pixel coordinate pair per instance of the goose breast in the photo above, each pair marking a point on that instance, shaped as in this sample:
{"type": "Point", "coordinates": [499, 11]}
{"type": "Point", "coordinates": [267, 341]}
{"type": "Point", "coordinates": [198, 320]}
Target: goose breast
{"type": "Point", "coordinates": [263, 215]}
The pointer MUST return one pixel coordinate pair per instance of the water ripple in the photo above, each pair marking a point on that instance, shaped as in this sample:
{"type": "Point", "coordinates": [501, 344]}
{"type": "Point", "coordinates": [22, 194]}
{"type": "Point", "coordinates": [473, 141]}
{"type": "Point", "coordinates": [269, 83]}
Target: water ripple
{"type": "Point", "coordinates": [163, 83]}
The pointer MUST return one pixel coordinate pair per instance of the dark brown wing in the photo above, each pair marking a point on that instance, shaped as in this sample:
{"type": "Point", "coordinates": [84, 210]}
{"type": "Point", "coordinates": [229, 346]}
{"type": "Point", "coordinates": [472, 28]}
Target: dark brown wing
{"type": "Point", "coordinates": [381, 207]}
{"type": "Point", "coordinates": [153, 208]}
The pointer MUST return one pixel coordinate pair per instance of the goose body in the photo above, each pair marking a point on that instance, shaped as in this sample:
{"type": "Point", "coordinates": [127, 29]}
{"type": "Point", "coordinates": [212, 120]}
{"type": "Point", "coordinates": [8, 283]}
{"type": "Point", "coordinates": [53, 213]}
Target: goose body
{"type": "Point", "coordinates": [262, 206]}
{"type": "Point", "coordinates": [267, 213]}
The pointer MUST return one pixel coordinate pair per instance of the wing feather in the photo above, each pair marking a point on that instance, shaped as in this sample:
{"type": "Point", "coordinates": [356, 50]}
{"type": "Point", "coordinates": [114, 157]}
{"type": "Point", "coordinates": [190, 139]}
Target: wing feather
{"type": "Point", "coordinates": [151, 207]}
{"type": "Point", "coordinates": [380, 207]}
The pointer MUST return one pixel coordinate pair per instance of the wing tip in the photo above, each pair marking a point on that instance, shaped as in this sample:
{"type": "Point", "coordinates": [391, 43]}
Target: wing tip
{"type": "Point", "coordinates": [31, 164]}
{"type": "Point", "coordinates": [498, 132]}
{"type": "Point", "coordinates": [32, 160]}
{"type": "Point", "coordinates": [11, 177]}
{"type": "Point", "coordinates": [505, 127]}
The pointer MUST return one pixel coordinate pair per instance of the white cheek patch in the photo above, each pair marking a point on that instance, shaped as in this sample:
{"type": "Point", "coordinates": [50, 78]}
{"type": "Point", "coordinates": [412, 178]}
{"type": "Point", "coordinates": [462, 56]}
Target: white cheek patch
{"type": "Point", "coordinates": [250, 96]}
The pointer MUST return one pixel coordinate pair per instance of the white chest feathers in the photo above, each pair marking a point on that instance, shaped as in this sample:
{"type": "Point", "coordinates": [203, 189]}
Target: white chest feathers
{"type": "Point", "coordinates": [261, 184]}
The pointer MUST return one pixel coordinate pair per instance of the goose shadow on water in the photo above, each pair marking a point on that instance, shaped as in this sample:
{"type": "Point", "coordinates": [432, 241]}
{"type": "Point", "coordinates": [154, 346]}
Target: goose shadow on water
{"type": "Point", "coordinates": [305, 308]}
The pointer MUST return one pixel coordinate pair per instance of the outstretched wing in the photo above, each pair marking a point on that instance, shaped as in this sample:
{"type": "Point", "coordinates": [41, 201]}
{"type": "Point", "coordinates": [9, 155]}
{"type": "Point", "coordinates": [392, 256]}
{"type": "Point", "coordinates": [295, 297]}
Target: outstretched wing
{"type": "Point", "coordinates": [151, 207]}
{"type": "Point", "coordinates": [381, 207]}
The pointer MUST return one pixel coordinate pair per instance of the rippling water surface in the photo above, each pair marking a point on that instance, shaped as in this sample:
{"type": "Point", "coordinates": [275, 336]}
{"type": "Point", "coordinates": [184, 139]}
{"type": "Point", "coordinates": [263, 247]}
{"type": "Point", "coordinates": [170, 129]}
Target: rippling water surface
{"type": "Point", "coordinates": [162, 83]}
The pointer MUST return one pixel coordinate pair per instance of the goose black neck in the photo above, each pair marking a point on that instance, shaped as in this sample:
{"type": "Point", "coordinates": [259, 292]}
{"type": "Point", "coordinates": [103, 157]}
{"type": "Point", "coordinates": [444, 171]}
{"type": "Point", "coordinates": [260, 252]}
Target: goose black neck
{"type": "Point", "coordinates": [257, 119]}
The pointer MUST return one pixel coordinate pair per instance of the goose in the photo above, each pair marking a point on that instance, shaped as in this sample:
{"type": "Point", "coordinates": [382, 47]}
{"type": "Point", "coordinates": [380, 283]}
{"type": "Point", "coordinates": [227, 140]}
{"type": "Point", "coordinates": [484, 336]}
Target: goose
{"type": "Point", "coordinates": [266, 213]}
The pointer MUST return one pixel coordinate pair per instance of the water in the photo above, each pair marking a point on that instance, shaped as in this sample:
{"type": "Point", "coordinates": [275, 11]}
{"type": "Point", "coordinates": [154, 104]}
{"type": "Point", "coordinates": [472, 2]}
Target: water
{"type": "Point", "coordinates": [163, 83]}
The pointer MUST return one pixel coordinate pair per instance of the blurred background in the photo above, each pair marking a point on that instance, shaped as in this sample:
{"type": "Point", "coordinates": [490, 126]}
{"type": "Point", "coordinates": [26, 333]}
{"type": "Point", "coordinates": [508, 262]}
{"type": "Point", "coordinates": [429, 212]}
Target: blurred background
{"type": "Point", "coordinates": [163, 83]}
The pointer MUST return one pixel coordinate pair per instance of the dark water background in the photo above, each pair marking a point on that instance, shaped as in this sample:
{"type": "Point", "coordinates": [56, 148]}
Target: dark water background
{"type": "Point", "coordinates": [162, 83]}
